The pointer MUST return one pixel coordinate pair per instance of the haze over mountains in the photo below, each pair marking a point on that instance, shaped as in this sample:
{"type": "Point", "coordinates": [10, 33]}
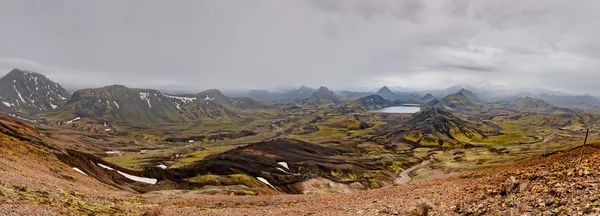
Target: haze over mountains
{"type": "Point", "coordinates": [30, 92]}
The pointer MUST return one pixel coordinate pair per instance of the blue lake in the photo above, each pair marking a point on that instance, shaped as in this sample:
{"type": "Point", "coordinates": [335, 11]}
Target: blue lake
{"type": "Point", "coordinates": [398, 109]}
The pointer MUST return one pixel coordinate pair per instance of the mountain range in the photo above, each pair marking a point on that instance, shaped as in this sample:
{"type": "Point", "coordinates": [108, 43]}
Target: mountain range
{"type": "Point", "coordinates": [140, 106]}
{"type": "Point", "coordinates": [26, 94]}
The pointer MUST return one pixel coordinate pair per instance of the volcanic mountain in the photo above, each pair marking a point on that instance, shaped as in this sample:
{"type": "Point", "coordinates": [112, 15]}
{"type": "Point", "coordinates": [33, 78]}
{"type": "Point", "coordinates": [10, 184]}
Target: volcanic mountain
{"type": "Point", "coordinates": [323, 96]}
{"type": "Point", "coordinates": [471, 96]}
{"type": "Point", "coordinates": [529, 104]}
{"type": "Point", "coordinates": [30, 92]}
{"type": "Point", "coordinates": [367, 103]}
{"type": "Point", "coordinates": [386, 93]}
{"type": "Point", "coordinates": [229, 102]}
{"type": "Point", "coordinates": [298, 94]}
{"type": "Point", "coordinates": [141, 106]}
{"type": "Point", "coordinates": [428, 97]}
{"type": "Point", "coordinates": [456, 101]}
{"type": "Point", "coordinates": [438, 127]}
{"type": "Point", "coordinates": [263, 95]}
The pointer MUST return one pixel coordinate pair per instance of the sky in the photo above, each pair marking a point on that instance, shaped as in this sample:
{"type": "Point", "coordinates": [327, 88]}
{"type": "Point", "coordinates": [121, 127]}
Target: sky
{"type": "Point", "coordinates": [264, 44]}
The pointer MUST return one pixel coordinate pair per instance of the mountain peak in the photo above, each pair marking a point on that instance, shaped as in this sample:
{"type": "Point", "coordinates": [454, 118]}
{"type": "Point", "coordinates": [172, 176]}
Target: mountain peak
{"type": "Point", "coordinates": [386, 93]}
{"type": "Point", "coordinates": [323, 88]}
{"type": "Point", "coordinates": [324, 95]}
{"type": "Point", "coordinates": [471, 96]}
{"type": "Point", "coordinates": [17, 71]}
{"type": "Point", "coordinates": [30, 92]}
{"type": "Point", "coordinates": [304, 87]}
{"type": "Point", "coordinates": [457, 101]}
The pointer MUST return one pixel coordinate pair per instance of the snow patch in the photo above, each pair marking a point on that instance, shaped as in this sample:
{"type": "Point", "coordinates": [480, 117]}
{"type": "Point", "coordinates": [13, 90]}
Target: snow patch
{"type": "Point", "coordinates": [113, 152]}
{"type": "Point", "coordinates": [263, 180]}
{"type": "Point", "coordinates": [22, 118]}
{"type": "Point", "coordinates": [182, 99]}
{"type": "Point", "coordinates": [116, 104]}
{"type": "Point", "coordinates": [162, 166]}
{"type": "Point", "coordinates": [53, 106]}
{"type": "Point", "coordinates": [284, 164]}
{"type": "Point", "coordinates": [131, 177]}
{"type": "Point", "coordinates": [6, 104]}
{"type": "Point", "coordinates": [138, 179]}
{"type": "Point", "coordinates": [145, 96]}
{"type": "Point", "coordinates": [78, 170]}
{"type": "Point", "coordinates": [73, 120]}
{"type": "Point", "coordinates": [209, 98]}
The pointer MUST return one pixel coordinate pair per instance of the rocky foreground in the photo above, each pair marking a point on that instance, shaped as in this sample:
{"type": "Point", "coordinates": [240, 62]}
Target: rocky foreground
{"type": "Point", "coordinates": [561, 184]}
{"type": "Point", "coordinates": [34, 182]}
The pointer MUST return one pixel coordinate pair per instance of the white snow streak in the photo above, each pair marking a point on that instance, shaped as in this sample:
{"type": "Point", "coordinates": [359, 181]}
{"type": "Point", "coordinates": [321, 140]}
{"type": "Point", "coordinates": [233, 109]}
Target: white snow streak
{"type": "Point", "coordinates": [78, 170]}
{"type": "Point", "coordinates": [138, 179]}
{"type": "Point", "coordinates": [105, 167]}
{"type": "Point", "coordinates": [132, 177]}
{"type": "Point", "coordinates": [73, 120]}
{"type": "Point", "coordinates": [19, 93]}
{"type": "Point", "coordinates": [263, 180]}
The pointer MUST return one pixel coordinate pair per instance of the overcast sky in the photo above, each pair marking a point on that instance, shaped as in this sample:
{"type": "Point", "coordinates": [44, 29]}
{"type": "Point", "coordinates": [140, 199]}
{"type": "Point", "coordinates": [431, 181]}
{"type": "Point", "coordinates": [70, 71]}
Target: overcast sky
{"type": "Point", "coordinates": [340, 44]}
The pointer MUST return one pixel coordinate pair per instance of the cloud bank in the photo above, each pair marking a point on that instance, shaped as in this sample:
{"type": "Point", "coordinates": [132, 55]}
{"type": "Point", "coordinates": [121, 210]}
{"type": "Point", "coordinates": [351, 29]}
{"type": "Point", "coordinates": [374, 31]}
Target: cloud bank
{"type": "Point", "coordinates": [340, 44]}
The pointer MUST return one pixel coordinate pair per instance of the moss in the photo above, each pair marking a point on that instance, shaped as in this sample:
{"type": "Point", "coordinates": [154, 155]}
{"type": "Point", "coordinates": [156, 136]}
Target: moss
{"type": "Point", "coordinates": [396, 166]}
{"type": "Point", "coordinates": [429, 141]}
{"type": "Point", "coordinates": [413, 137]}
{"type": "Point", "coordinates": [73, 202]}
{"type": "Point", "coordinates": [222, 180]}
{"type": "Point", "coordinates": [344, 175]}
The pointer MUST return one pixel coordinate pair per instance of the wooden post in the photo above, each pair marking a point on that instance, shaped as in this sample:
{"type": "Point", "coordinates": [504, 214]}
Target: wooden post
{"type": "Point", "coordinates": [584, 141]}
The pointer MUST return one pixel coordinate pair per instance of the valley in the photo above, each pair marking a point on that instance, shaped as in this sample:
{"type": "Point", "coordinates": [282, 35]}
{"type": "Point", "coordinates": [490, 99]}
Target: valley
{"type": "Point", "coordinates": [157, 145]}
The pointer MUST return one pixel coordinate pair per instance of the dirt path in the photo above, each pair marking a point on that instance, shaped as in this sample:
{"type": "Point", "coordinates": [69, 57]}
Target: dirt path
{"type": "Point", "coordinates": [404, 176]}
{"type": "Point", "coordinates": [547, 138]}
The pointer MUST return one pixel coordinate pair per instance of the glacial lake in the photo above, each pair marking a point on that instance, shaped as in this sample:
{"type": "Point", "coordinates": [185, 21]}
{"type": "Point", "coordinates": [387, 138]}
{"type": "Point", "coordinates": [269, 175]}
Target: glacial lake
{"type": "Point", "coordinates": [398, 109]}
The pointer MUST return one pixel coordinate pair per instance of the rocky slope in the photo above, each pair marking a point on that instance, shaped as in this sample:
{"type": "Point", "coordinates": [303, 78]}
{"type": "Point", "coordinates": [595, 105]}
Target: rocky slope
{"type": "Point", "coordinates": [29, 92]}
{"type": "Point", "coordinates": [558, 185]}
{"type": "Point", "coordinates": [35, 182]}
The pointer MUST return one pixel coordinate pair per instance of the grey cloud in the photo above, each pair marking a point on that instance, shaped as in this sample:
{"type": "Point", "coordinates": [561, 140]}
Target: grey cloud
{"type": "Point", "coordinates": [404, 10]}
{"type": "Point", "coordinates": [271, 43]}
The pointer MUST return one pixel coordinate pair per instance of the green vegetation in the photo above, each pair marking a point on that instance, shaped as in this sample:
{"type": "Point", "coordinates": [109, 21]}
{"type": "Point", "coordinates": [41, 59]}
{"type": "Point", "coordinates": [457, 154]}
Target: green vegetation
{"type": "Point", "coordinates": [512, 133]}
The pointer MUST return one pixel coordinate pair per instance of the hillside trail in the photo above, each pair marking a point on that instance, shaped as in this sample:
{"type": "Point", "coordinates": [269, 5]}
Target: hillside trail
{"type": "Point", "coordinates": [404, 176]}
{"type": "Point", "coordinates": [548, 138]}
